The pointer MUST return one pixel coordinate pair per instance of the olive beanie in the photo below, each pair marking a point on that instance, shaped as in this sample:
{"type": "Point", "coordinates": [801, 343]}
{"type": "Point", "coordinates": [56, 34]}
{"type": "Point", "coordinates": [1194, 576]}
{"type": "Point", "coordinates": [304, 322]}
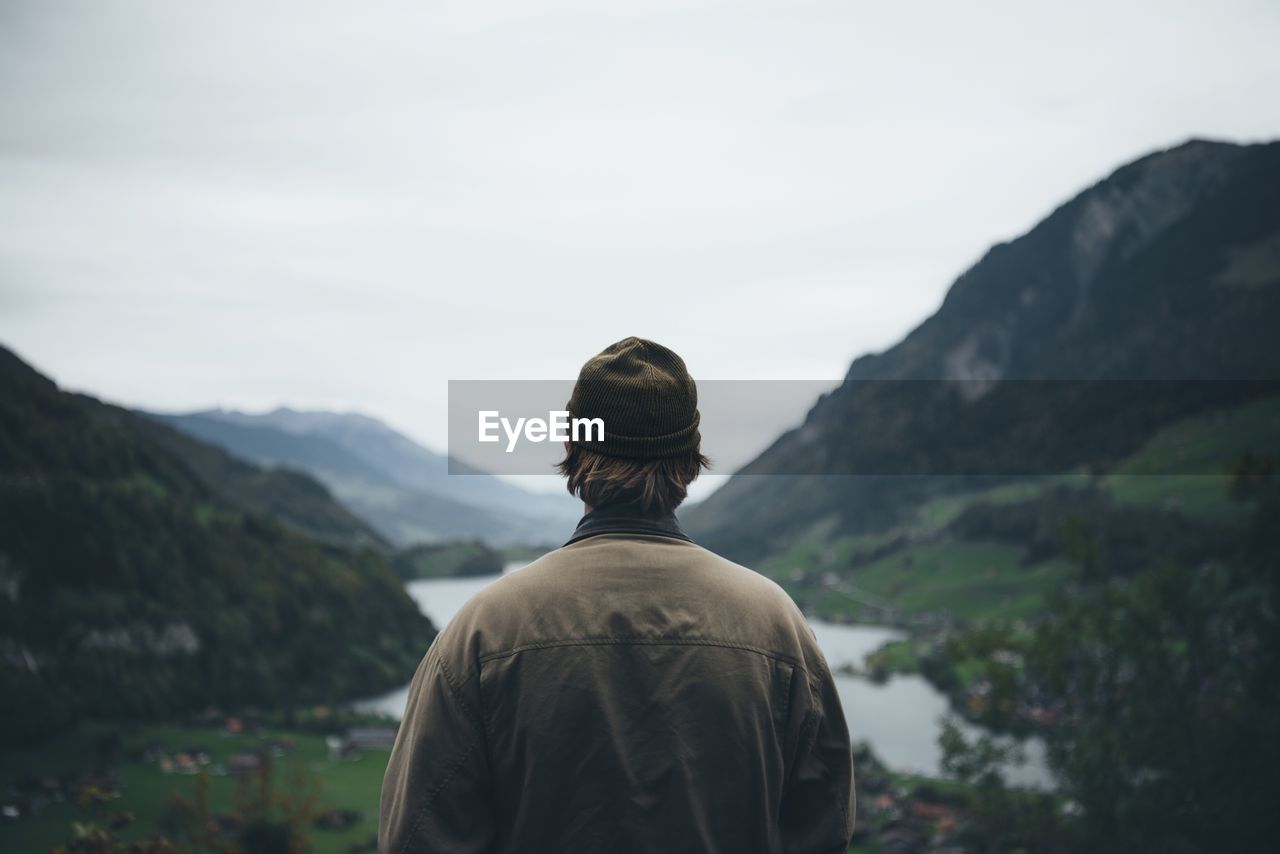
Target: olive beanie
{"type": "Point", "coordinates": [644, 395]}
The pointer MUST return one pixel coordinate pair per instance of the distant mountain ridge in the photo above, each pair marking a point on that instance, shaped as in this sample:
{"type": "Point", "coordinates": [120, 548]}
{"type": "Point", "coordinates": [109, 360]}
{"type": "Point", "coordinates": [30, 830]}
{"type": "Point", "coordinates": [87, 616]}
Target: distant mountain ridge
{"type": "Point", "coordinates": [1167, 269]}
{"type": "Point", "coordinates": [405, 491]}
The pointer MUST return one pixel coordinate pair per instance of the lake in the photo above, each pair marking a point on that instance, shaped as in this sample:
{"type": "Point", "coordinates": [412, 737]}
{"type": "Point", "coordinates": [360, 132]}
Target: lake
{"type": "Point", "coordinates": [899, 719]}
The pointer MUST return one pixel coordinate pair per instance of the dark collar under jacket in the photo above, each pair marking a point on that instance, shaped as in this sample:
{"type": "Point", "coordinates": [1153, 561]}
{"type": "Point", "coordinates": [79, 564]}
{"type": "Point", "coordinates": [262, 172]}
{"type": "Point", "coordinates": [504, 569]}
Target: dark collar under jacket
{"type": "Point", "coordinates": [627, 519]}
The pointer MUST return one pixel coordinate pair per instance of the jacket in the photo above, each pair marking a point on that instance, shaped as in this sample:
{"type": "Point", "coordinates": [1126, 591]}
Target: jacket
{"type": "Point", "coordinates": [630, 691]}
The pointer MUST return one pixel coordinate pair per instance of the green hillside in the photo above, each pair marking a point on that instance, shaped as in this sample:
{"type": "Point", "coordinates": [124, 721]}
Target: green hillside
{"type": "Point", "coordinates": [441, 560]}
{"type": "Point", "coordinates": [133, 587]}
{"type": "Point", "coordinates": [999, 551]}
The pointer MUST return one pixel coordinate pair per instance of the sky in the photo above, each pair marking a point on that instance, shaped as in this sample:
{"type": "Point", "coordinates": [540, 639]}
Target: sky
{"type": "Point", "coordinates": [344, 206]}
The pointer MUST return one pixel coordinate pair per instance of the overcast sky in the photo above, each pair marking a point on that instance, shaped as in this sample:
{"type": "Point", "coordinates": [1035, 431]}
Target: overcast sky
{"type": "Point", "coordinates": [252, 204]}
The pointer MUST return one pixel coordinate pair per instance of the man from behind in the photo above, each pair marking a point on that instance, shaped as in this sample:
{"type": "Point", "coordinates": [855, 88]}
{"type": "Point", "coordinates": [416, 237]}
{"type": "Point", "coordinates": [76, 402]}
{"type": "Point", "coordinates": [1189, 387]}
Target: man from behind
{"type": "Point", "coordinates": [630, 691]}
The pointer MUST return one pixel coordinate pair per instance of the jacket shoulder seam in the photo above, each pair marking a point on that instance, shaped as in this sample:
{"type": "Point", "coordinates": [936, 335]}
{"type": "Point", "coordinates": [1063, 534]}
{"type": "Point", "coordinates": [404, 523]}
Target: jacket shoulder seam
{"type": "Point", "coordinates": [456, 691]}
{"type": "Point", "coordinates": [786, 694]}
{"type": "Point", "coordinates": [641, 640]}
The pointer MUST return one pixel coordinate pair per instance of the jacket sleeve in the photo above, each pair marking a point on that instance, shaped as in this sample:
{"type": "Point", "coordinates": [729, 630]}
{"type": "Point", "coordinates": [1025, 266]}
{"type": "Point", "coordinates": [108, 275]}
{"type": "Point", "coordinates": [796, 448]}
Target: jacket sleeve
{"type": "Point", "coordinates": [437, 793]}
{"type": "Point", "coordinates": [818, 802]}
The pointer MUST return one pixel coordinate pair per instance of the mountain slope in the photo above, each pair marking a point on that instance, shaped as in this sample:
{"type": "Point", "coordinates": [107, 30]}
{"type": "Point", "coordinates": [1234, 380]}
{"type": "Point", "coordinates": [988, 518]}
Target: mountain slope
{"type": "Point", "coordinates": [404, 490]}
{"type": "Point", "coordinates": [131, 587]}
{"type": "Point", "coordinates": [291, 497]}
{"type": "Point", "coordinates": [1167, 269]}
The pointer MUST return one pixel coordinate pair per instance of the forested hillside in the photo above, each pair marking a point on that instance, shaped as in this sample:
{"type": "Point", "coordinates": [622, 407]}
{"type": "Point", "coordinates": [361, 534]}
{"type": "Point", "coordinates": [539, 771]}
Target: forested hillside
{"type": "Point", "coordinates": [140, 574]}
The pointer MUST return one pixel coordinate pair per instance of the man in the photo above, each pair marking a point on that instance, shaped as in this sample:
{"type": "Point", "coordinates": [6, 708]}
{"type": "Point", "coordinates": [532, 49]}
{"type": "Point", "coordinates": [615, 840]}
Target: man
{"type": "Point", "coordinates": [630, 691]}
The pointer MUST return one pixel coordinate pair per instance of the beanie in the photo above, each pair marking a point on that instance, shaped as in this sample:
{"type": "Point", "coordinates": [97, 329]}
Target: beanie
{"type": "Point", "coordinates": [644, 395]}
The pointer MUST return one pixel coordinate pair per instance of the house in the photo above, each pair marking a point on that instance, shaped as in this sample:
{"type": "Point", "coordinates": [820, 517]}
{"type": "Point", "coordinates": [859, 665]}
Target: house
{"type": "Point", "coordinates": [341, 750]}
{"type": "Point", "coordinates": [367, 738]}
{"type": "Point", "coordinates": [245, 762]}
{"type": "Point", "coordinates": [357, 740]}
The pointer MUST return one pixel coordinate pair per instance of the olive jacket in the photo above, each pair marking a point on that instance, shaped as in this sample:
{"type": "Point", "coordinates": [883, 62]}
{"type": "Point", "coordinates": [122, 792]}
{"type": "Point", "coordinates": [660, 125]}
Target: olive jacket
{"type": "Point", "coordinates": [630, 691]}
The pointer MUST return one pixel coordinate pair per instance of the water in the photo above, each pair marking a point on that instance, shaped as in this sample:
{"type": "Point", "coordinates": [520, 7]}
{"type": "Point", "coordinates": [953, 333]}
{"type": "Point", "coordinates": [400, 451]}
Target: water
{"type": "Point", "coordinates": [900, 719]}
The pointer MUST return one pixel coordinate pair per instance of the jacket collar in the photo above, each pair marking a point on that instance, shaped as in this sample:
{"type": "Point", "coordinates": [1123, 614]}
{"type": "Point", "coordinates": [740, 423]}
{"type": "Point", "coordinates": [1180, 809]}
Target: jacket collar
{"type": "Point", "coordinates": [627, 519]}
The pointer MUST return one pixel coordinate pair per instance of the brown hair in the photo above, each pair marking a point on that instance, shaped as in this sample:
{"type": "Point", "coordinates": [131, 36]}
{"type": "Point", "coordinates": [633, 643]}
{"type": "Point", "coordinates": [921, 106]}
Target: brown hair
{"type": "Point", "coordinates": [659, 485]}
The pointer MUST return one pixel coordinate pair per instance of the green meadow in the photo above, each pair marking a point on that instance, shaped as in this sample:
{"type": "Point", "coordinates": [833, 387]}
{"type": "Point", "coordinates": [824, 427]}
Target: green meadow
{"type": "Point", "coordinates": [305, 772]}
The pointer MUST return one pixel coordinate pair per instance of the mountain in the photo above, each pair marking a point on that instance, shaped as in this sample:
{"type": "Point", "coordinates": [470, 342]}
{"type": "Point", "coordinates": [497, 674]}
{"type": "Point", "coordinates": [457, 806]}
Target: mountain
{"type": "Point", "coordinates": [291, 497]}
{"type": "Point", "coordinates": [143, 574]}
{"type": "Point", "coordinates": [402, 489]}
{"type": "Point", "coordinates": [1167, 269]}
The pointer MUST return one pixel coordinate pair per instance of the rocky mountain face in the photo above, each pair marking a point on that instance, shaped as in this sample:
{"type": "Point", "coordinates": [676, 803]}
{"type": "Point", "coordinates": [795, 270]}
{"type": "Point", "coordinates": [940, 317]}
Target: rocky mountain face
{"type": "Point", "coordinates": [1168, 269]}
{"type": "Point", "coordinates": [1136, 277]}
{"type": "Point", "coordinates": [405, 491]}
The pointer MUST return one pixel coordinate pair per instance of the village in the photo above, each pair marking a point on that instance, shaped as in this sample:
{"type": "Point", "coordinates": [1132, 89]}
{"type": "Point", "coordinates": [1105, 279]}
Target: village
{"type": "Point", "coordinates": [141, 782]}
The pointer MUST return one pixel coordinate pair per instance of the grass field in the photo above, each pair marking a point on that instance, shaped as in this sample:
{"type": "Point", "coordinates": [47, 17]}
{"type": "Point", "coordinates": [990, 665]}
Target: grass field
{"type": "Point", "coordinates": [146, 790]}
{"type": "Point", "coordinates": [922, 571]}
{"type": "Point", "coordinates": [1185, 466]}
{"type": "Point", "coordinates": [972, 580]}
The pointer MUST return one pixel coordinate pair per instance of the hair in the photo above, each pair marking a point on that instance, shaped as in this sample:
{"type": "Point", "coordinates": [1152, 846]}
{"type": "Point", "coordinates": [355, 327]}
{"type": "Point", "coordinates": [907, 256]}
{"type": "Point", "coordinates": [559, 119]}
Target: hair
{"type": "Point", "coordinates": [659, 485]}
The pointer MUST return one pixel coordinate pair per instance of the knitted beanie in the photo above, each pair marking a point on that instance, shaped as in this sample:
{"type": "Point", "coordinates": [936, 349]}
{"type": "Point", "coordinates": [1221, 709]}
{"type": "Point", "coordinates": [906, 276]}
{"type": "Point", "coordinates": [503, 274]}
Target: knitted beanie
{"type": "Point", "coordinates": [644, 395]}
